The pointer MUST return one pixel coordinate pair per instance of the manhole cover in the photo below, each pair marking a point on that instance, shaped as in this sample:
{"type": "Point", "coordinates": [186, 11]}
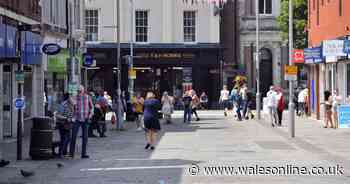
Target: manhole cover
{"type": "Point", "coordinates": [278, 145]}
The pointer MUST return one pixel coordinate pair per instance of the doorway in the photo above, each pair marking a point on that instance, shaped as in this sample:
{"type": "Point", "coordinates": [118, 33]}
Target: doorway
{"type": "Point", "coordinates": [266, 72]}
{"type": "Point", "coordinates": [7, 102]}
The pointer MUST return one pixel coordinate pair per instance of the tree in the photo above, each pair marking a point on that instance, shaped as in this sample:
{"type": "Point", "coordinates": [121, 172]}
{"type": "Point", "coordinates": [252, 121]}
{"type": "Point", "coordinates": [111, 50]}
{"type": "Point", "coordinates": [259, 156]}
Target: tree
{"type": "Point", "coordinates": [299, 21]}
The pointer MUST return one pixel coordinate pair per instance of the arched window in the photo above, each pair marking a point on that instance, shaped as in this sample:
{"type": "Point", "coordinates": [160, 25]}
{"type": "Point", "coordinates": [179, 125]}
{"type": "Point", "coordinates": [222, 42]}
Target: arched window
{"type": "Point", "coordinates": [265, 7]}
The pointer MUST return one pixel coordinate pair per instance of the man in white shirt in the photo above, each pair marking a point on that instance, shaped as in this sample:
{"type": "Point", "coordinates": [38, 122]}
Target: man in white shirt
{"type": "Point", "coordinates": [272, 105]}
{"type": "Point", "coordinates": [302, 100]}
{"type": "Point", "coordinates": [224, 98]}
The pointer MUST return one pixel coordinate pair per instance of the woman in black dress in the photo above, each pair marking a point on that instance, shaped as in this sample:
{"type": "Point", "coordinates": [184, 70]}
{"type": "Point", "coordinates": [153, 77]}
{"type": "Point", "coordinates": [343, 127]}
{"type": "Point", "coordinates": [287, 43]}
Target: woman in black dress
{"type": "Point", "coordinates": [150, 114]}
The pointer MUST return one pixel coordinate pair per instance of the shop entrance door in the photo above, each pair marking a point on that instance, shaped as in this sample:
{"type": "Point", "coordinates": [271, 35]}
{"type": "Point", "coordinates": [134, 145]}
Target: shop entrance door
{"type": "Point", "coordinates": [7, 102]}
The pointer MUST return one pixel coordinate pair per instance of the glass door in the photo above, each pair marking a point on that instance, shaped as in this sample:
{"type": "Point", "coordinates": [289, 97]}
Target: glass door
{"type": "Point", "coordinates": [7, 102]}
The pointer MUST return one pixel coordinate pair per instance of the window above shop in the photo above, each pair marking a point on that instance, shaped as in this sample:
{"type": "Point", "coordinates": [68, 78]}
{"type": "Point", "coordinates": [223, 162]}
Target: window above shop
{"type": "Point", "coordinates": [91, 25]}
{"type": "Point", "coordinates": [141, 21]}
{"type": "Point", "coordinates": [189, 26]}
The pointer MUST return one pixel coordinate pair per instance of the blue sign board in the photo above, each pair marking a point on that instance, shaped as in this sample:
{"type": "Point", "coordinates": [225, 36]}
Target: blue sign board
{"type": "Point", "coordinates": [313, 55]}
{"type": "Point", "coordinates": [19, 103]}
{"type": "Point", "coordinates": [31, 48]}
{"type": "Point", "coordinates": [344, 116]}
{"type": "Point", "coordinates": [2, 40]}
{"type": "Point", "coordinates": [51, 48]}
{"type": "Point", "coordinates": [88, 60]}
{"type": "Point", "coordinates": [347, 46]}
{"type": "Point", "coordinates": [10, 42]}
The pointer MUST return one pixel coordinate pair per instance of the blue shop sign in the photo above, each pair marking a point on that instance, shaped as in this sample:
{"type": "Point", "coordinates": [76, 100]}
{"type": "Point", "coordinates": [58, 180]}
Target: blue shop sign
{"type": "Point", "coordinates": [2, 40]}
{"type": "Point", "coordinates": [313, 55]}
{"type": "Point", "coordinates": [344, 116]}
{"type": "Point", "coordinates": [10, 42]}
{"type": "Point", "coordinates": [88, 59]}
{"type": "Point", "coordinates": [31, 48]}
{"type": "Point", "coordinates": [347, 46]}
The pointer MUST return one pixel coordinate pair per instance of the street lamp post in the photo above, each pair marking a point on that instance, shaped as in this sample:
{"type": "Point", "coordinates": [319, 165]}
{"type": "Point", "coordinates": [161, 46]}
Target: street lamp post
{"type": "Point", "coordinates": [257, 60]}
{"type": "Point", "coordinates": [131, 57]}
{"type": "Point", "coordinates": [291, 90]}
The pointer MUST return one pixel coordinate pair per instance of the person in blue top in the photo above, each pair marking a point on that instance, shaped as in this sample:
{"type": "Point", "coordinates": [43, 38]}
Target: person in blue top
{"type": "Point", "coordinates": [151, 121]}
{"type": "Point", "coordinates": [236, 101]}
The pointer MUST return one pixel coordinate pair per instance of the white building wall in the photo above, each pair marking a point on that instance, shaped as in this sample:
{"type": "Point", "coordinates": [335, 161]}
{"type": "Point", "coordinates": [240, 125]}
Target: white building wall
{"type": "Point", "coordinates": [165, 20]}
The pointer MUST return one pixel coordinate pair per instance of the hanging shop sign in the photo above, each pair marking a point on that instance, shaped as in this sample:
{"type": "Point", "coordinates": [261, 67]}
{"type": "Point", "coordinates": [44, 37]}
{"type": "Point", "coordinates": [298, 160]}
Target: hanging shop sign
{"type": "Point", "coordinates": [333, 48]}
{"type": "Point", "coordinates": [346, 48]}
{"type": "Point", "coordinates": [88, 60]}
{"type": "Point", "coordinates": [19, 103]}
{"type": "Point", "coordinates": [344, 116]}
{"type": "Point", "coordinates": [290, 73]}
{"type": "Point", "coordinates": [19, 75]}
{"type": "Point", "coordinates": [313, 55]}
{"type": "Point", "coordinates": [298, 56]}
{"type": "Point", "coordinates": [51, 49]}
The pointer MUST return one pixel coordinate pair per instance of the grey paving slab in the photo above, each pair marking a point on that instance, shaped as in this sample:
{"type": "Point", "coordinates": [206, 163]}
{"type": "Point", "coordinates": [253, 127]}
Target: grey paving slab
{"type": "Point", "coordinates": [214, 141]}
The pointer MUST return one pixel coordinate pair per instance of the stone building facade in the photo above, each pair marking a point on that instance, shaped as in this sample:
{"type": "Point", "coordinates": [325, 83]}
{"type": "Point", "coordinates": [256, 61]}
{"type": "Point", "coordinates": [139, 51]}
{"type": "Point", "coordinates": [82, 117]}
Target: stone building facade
{"type": "Point", "coordinates": [273, 51]}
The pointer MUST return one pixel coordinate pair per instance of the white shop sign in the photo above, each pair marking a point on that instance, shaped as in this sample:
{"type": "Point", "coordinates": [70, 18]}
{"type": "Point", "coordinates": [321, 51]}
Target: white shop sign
{"type": "Point", "coordinates": [333, 48]}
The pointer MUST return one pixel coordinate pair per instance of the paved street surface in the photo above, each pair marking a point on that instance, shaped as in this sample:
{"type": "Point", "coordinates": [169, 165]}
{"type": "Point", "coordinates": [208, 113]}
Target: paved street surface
{"type": "Point", "coordinates": [183, 149]}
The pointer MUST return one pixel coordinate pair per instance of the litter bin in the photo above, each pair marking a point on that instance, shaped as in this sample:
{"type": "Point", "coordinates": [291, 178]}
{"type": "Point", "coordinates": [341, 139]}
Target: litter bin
{"type": "Point", "coordinates": [41, 138]}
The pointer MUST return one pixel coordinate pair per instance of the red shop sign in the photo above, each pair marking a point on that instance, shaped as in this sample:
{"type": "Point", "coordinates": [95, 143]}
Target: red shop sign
{"type": "Point", "coordinates": [298, 56]}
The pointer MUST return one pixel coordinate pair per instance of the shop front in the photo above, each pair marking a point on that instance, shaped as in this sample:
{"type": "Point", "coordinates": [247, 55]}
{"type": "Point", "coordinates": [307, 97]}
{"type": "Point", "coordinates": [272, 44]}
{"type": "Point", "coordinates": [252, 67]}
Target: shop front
{"type": "Point", "coordinates": [162, 67]}
{"type": "Point", "coordinates": [313, 64]}
{"type": "Point", "coordinates": [9, 77]}
{"type": "Point", "coordinates": [8, 65]}
{"type": "Point", "coordinates": [55, 83]}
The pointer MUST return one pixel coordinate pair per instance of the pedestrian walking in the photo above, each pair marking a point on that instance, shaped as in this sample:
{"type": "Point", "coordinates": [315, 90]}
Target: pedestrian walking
{"type": "Point", "coordinates": [64, 122]}
{"type": "Point", "coordinates": [167, 107]}
{"type": "Point", "coordinates": [83, 113]}
{"type": "Point", "coordinates": [152, 125]}
{"type": "Point", "coordinates": [178, 97]}
{"type": "Point", "coordinates": [108, 98]}
{"type": "Point", "coordinates": [187, 101]}
{"type": "Point", "coordinates": [249, 111]}
{"type": "Point", "coordinates": [195, 104]}
{"type": "Point", "coordinates": [99, 120]}
{"type": "Point", "coordinates": [137, 103]}
{"type": "Point", "coordinates": [272, 105]}
{"type": "Point", "coordinates": [243, 94]}
{"type": "Point", "coordinates": [224, 99]}
{"type": "Point", "coordinates": [238, 100]}
{"type": "Point", "coordinates": [302, 97]}
{"type": "Point", "coordinates": [280, 106]}
{"type": "Point", "coordinates": [204, 100]}
{"type": "Point", "coordinates": [336, 100]}
{"type": "Point", "coordinates": [328, 109]}
{"type": "Point", "coordinates": [295, 100]}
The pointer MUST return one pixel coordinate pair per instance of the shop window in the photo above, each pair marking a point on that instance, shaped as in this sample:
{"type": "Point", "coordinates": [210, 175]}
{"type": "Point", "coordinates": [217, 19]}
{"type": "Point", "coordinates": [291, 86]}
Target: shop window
{"type": "Point", "coordinates": [141, 20]}
{"type": "Point", "coordinates": [189, 26]}
{"type": "Point", "coordinates": [91, 25]}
